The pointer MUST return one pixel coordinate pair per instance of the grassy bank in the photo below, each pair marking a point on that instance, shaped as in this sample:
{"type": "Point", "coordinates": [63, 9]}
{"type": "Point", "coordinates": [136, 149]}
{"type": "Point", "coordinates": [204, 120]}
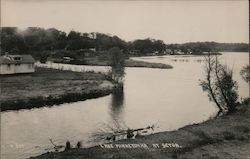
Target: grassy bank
{"type": "Point", "coordinates": [47, 87]}
{"type": "Point", "coordinates": [223, 137]}
{"type": "Point", "coordinates": [135, 63]}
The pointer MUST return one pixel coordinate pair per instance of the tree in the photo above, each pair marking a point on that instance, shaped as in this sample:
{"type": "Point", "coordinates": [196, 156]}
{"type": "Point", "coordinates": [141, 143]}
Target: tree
{"type": "Point", "coordinates": [74, 41]}
{"type": "Point", "coordinates": [144, 46]}
{"type": "Point", "coordinates": [245, 73]}
{"type": "Point", "coordinates": [219, 84]}
{"type": "Point", "coordinates": [117, 65]}
{"type": "Point", "coordinates": [11, 40]}
{"type": "Point", "coordinates": [159, 46]}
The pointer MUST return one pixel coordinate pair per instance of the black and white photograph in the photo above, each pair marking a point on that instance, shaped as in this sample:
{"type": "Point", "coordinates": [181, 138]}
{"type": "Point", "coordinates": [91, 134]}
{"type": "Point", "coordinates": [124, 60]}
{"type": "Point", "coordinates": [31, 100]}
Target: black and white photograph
{"type": "Point", "coordinates": [124, 79]}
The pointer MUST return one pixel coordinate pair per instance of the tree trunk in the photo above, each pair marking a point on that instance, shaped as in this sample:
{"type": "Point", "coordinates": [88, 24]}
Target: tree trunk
{"type": "Point", "coordinates": [209, 84]}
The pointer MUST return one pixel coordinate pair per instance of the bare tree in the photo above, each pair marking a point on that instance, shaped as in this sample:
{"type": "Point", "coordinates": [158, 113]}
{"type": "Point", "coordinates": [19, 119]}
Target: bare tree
{"type": "Point", "coordinates": [219, 84]}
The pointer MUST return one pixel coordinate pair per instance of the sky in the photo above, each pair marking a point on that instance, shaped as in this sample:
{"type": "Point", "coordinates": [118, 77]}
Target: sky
{"type": "Point", "coordinates": [170, 21]}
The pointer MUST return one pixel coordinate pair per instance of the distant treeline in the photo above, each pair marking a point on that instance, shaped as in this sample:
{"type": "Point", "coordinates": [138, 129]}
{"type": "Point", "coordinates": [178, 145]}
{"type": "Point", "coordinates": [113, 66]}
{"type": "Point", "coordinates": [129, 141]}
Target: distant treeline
{"type": "Point", "coordinates": [35, 39]}
{"type": "Point", "coordinates": [199, 47]}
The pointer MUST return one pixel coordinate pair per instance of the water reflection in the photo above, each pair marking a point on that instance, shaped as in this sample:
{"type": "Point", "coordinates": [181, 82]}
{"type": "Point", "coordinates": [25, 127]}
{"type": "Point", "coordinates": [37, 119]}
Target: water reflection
{"type": "Point", "coordinates": [117, 108]}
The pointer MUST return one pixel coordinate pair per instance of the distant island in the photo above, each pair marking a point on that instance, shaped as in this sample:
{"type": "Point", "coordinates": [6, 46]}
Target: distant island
{"type": "Point", "coordinates": [85, 48]}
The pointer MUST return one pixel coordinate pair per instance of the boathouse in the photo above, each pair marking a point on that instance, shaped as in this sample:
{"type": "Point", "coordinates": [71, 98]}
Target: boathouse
{"type": "Point", "coordinates": [15, 64]}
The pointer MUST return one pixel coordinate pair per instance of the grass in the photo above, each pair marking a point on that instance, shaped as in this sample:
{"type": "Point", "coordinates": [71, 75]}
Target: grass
{"type": "Point", "coordinates": [49, 87]}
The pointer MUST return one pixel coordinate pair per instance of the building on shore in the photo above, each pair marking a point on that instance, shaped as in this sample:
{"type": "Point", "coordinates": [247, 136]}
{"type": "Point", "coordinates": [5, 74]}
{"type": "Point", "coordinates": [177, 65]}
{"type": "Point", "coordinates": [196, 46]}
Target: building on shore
{"type": "Point", "coordinates": [16, 64]}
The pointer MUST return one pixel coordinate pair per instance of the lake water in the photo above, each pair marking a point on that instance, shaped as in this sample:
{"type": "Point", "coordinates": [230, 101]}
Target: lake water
{"type": "Point", "coordinates": [169, 98]}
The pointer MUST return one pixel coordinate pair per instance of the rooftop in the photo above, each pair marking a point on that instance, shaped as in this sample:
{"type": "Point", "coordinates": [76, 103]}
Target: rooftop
{"type": "Point", "coordinates": [17, 59]}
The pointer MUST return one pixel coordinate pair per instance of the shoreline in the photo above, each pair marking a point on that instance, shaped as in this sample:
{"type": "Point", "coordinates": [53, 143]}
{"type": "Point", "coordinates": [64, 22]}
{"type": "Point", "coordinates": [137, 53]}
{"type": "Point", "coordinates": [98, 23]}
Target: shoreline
{"type": "Point", "coordinates": [144, 64]}
{"type": "Point", "coordinates": [128, 63]}
{"type": "Point", "coordinates": [76, 86]}
{"type": "Point", "coordinates": [178, 54]}
{"type": "Point", "coordinates": [221, 137]}
{"type": "Point", "coordinates": [38, 102]}
{"type": "Point", "coordinates": [49, 87]}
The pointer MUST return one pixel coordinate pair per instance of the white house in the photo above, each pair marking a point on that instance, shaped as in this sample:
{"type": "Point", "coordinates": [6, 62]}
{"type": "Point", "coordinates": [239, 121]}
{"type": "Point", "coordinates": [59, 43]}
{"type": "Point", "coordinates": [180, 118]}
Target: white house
{"type": "Point", "coordinates": [14, 64]}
